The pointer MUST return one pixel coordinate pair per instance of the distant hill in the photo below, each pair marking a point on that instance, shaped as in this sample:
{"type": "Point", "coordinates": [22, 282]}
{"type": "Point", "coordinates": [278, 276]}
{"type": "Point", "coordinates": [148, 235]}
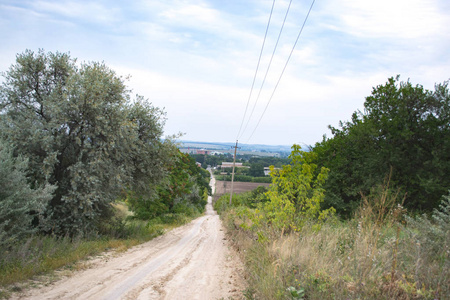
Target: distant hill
{"type": "Point", "coordinates": [256, 149]}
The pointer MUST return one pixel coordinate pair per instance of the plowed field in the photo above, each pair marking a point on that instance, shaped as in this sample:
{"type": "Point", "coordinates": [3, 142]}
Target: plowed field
{"type": "Point", "coordinates": [223, 187]}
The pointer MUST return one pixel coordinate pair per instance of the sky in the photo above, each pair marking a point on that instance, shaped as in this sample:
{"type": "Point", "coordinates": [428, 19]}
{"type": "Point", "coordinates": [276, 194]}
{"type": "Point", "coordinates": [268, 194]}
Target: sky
{"type": "Point", "coordinates": [197, 58]}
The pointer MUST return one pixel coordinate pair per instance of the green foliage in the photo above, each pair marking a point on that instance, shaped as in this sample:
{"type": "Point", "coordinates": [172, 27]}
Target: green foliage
{"type": "Point", "coordinates": [293, 200]}
{"type": "Point", "coordinates": [247, 199]}
{"type": "Point", "coordinates": [296, 193]}
{"type": "Point", "coordinates": [404, 128]}
{"type": "Point", "coordinates": [258, 195]}
{"type": "Point", "coordinates": [184, 190]}
{"type": "Point", "coordinates": [270, 161]}
{"type": "Point", "coordinates": [80, 132]}
{"type": "Point", "coordinates": [19, 203]}
{"type": "Point", "coordinates": [256, 170]}
{"type": "Point", "coordinates": [296, 294]}
{"type": "Point", "coordinates": [441, 216]}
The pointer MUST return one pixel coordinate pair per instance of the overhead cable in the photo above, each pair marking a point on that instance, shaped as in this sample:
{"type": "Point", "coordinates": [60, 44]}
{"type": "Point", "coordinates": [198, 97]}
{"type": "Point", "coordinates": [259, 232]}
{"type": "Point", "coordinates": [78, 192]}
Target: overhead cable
{"type": "Point", "coordinates": [257, 67]}
{"type": "Point", "coordinates": [282, 72]}
{"type": "Point", "coordinates": [268, 68]}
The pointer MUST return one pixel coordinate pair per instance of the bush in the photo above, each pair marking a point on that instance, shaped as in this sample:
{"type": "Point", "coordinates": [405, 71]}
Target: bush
{"type": "Point", "coordinates": [222, 204]}
{"type": "Point", "coordinates": [184, 190]}
{"type": "Point", "coordinates": [19, 203]}
{"type": "Point", "coordinates": [430, 248]}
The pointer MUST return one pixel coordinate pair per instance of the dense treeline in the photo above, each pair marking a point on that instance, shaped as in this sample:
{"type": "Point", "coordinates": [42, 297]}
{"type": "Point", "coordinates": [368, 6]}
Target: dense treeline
{"type": "Point", "coordinates": [185, 189]}
{"type": "Point", "coordinates": [270, 161]}
{"type": "Point", "coordinates": [73, 140]}
{"type": "Point", "coordinates": [404, 133]}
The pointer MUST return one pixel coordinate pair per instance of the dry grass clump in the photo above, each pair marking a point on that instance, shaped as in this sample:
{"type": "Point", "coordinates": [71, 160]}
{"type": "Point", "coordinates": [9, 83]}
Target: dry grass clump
{"type": "Point", "coordinates": [379, 254]}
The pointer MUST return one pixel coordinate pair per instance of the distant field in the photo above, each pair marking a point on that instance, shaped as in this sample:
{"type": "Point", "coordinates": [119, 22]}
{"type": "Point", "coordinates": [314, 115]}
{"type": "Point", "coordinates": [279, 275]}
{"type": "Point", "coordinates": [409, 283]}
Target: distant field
{"type": "Point", "coordinates": [223, 187]}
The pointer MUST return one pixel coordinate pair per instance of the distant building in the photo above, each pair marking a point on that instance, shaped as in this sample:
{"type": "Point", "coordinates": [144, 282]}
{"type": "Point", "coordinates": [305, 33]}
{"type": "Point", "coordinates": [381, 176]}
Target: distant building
{"type": "Point", "coordinates": [230, 165]}
{"type": "Point", "coordinates": [203, 151]}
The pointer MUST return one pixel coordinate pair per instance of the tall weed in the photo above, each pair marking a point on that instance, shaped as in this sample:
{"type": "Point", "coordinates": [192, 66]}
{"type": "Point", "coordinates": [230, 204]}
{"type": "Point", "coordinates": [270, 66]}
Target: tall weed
{"type": "Point", "coordinates": [379, 254]}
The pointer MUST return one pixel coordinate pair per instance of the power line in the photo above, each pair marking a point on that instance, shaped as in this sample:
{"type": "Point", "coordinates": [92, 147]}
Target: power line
{"type": "Point", "coordinates": [257, 67]}
{"type": "Point", "coordinates": [282, 72]}
{"type": "Point", "coordinates": [268, 68]}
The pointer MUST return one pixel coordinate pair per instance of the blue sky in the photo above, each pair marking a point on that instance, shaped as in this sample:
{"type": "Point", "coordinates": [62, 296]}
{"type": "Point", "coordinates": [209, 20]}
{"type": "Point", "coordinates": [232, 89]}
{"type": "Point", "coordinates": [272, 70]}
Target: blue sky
{"type": "Point", "coordinates": [197, 58]}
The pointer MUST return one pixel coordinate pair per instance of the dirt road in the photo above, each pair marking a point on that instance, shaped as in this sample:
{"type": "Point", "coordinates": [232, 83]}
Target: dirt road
{"type": "Point", "coordinates": [190, 262]}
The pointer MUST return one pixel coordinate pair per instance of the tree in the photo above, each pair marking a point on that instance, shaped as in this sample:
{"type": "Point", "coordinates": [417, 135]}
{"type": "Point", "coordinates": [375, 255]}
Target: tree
{"type": "Point", "coordinates": [403, 128]}
{"type": "Point", "coordinates": [256, 170]}
{"type": "Point", "coordinates": [19, 203]}
{"type": "Point", "coordinates": [296, 193]}
{"type": "Point", "coordinates": [81, 132]}
{"type": "Point", "coordinates": [180, 191]}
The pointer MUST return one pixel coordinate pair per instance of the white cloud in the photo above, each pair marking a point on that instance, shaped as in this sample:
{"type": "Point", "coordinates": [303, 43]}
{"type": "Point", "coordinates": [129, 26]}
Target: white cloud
{"type": "Point", "coordinates": [401, 19]}
{"type": "Point", "coordinates": [88, 11]}
{"type": "Point", "coordinates": [196, 16]}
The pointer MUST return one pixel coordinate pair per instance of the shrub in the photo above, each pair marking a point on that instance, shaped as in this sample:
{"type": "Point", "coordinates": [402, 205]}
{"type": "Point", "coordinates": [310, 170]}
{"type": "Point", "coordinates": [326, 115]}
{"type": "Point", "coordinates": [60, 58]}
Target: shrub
{"type": "Point", "coordinates": [19, 203]}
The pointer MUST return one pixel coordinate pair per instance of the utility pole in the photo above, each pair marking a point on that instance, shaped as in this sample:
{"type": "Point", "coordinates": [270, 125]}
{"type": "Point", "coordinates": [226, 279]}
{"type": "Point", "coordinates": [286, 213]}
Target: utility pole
{"type": "Point", "coordinates": [232, 174]}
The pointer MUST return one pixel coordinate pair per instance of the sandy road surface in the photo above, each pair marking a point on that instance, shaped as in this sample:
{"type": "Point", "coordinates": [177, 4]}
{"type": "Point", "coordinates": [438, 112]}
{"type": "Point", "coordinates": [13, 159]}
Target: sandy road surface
{"type": "Point", "coordinates": [190, 262]}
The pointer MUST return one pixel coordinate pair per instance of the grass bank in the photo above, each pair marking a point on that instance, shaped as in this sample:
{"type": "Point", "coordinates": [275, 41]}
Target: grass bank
{"type": "Point", "coordinates": [381, 253]}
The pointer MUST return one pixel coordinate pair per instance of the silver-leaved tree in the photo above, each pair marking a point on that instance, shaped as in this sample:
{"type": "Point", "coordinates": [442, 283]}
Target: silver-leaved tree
{"type": "Point", "coordinates": [81, 132]}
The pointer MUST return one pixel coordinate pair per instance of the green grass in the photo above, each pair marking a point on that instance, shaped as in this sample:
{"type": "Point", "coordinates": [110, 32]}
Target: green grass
{"type": "Point", "coordinates": [40, 255]}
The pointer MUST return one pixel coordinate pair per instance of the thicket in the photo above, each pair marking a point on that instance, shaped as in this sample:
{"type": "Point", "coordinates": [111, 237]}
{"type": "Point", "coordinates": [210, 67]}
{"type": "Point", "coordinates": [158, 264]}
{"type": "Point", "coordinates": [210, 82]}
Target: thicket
{"type": "Point", "coordinates": [19, 203]}
{"type": "Point", "coordinates": [404, 130]}
{"type": "Point", "coordinates": [293, 199]}
{"type": "Point", "coordinates": [185, 190]}
{"type": "Point", "coordinates": [277, 162]}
